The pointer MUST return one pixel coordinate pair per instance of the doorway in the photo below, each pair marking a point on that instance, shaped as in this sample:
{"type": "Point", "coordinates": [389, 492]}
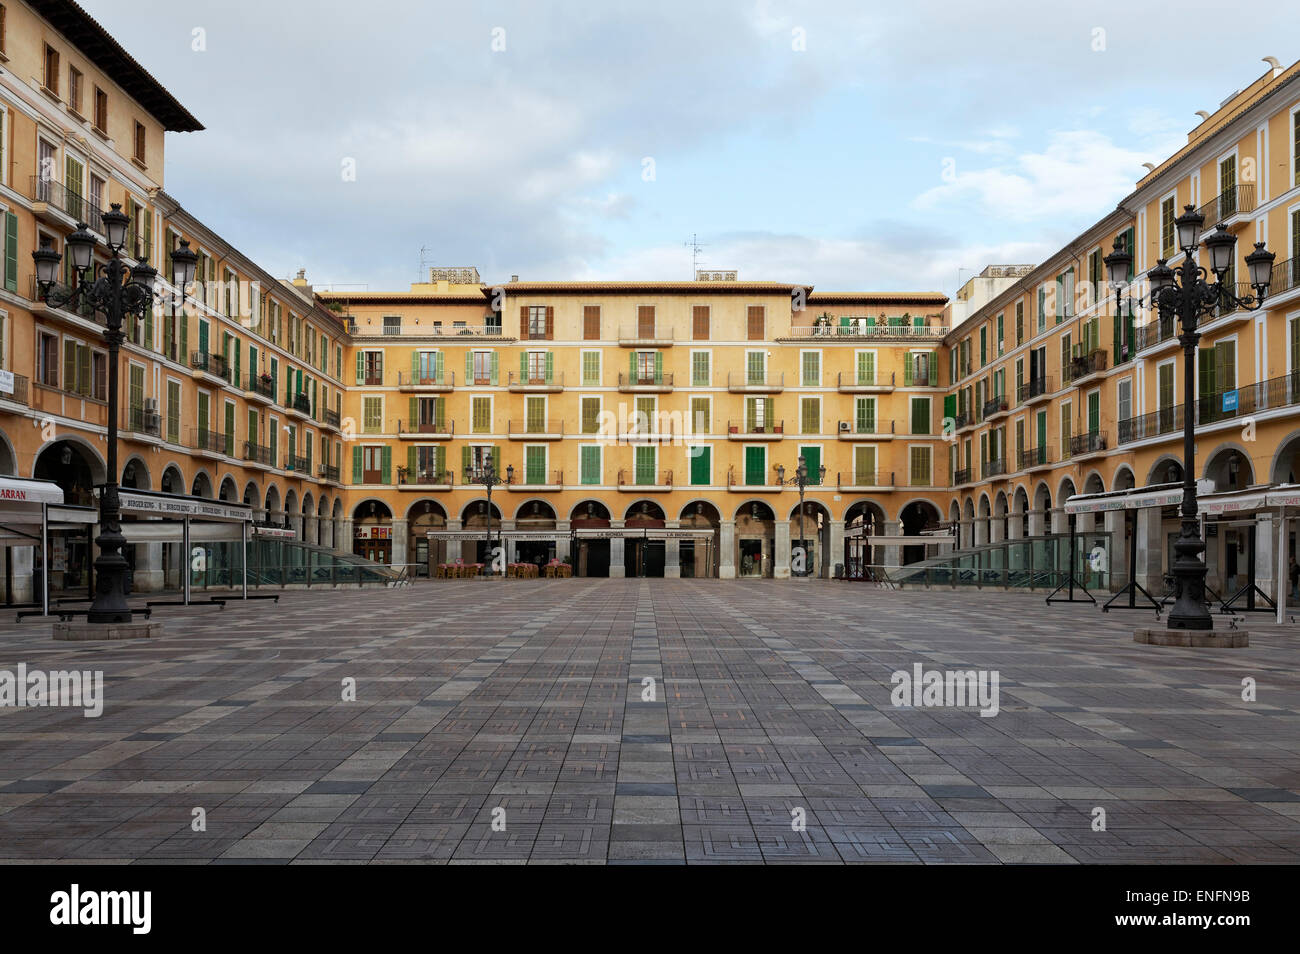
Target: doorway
{"type": "Point", "coordinates": [751, 558]}
{"type": "Point", "coordinates": [643, 557]}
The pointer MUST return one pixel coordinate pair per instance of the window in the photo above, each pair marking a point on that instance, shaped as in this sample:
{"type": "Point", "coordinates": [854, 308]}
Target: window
{"type": "Point", "coordinates": [756, 466]}
{"type": "Point", "coordinates": [701, 461]}
{"type": "Point", "coordinates": [101, 110]}
{"type": "Point", "coordinates": [758, 413]}
{"type": "Point", "coordinates": [481, 415]}
{"type": "Point", "coordinates": [755, 367]}
{"type": "Point", "coordinates": [920, 415]}
{"type": "Point", "coordinates": [174, 414]}
{"type": "Point", "coordinates": [864, 466]}
{"type": "Point", "coordinates": [537, 321]}
{"type": "Point", "coordinates": [591, 415]}
{"type": "Point", "coordinates": [535, 415]}
{"type": "Point", "coordinates": [1167, 227]}
{"type": "Point", "coordinates": [866, 369]}
{"type": "Point", "coordinates": [1067, 424]}
{"type": "Point", "coordinates": [864, 415]}
{"type": "Point", "coordinates": [1020, 322]}
{"type": "Point", "coordinates": [645, 321]}
{"type": "Point", "coordinates": [48, 371]}
{"type": "Point", "coordinates": [139, 141]}
{"type": "Point", "coordinates": [811, 369]}
{"type": "Point", "coordinates": [701, 415]}
{"type": "Point", "coordinates": [919, 466]}
{"type": "Point", "coordinates": [646, 469]}
{"type": "Point", "coordinates": [644, 416]}
{"type": "Point", "coordinates": [1000, 332]}
{"type": "Point", "coordinates": [372, 415]}
{"type": "Point", "coordinates": [51, 69]}
{"type": "Point", "coordinates": [700, 323]}
{"type": "Point", "coordinates": [701, 371]}
{"type": "Point", "coordinates": [589, 469]}
{"type": "Point", "coordinates": [591, 322]}
{"type": "Point", "coordinates": [482, 367]}
{"type": "Point", "coordinates": [534, 464]}
{"type": "Point", "coordinates": [756, 322]}
{"type": "Point", "coordinates": [591, 368]}
{"type": "Point", "coordinates": [392, 325]}
{"type": "Point", "coordinates": [1124, 400]}
{"type": "Point", "coordinates": [536, 367]}
{"type": "Point", "coordinates": [810, 415]}
{"type": "Point", "coordinates": [74, 90]}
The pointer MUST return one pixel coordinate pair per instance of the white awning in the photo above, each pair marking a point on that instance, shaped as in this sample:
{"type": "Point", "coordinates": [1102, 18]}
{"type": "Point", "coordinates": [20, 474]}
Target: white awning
{"type": "Point", "coordinates": [645, 533]}
{"type": "Point", "coordinates": [149, 503]}
{"type": "Point", "coordinates": [1138, 498]}
{"type": "Point", "coordinates": [281, 532]}
{"type": "Point", "coordinates": [17, 490]}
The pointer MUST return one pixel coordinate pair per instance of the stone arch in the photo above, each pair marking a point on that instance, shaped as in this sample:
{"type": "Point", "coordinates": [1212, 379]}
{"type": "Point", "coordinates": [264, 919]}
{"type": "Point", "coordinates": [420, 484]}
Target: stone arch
{"type": "Point", "coordinates": [699, 507]}
{"type": "Point", "coordinates": [472, 514]}
{"type": "Point", "coordinates": [201, 485]}
{"type": "Point", "coordinates": [82, 457]}
{"type": "Point", "coordinates": [229, 489]}
{"type": "Point", "coordinates": [1230, 467]}
{"type": "Point", "coordinates": [173, 480]}
{"type": "Point", "coordinates": [418, 508]}
{"type": "Point", "coordinates": [135, 474]}
{"type": "Point", "coordinates": [1123, 478]}
{"type": "Point", "coordinates": [1094, 483]}
{"type": "Point", "coordinates": [252, 495]}
{"type": "Point", "coordinates": [8, 458]}
{"type": "Point", "coordinates": [1042, 497]}
{"type": "Point", "coordinates": [914, 517]}
{"type": "Point", "coordinates": [589, 510]}
{"type": "Point", "coordinates": [272, 506]}
{"type": "Point", "coordinates": [1065, 490]}
{"type": "Point", "coordinates": [529, 509]}
{"type": "Point", "coordinates": [1285, 466]}
{"type": "Point", "coordinates": [644, 511]}
{"type": "Point", "coordinates": [1167, 469]}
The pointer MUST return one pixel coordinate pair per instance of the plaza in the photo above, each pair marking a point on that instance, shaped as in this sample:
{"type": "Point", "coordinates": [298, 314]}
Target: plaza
{"type": "Point", "coordinates": [770, 735]}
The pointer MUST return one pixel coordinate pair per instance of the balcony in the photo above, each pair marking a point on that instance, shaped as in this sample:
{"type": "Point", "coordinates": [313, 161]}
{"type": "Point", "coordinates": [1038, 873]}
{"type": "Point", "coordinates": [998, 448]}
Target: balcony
{"type": "Point", "coordinates": [962, 476]}
{"type": "Point", "coordinates": [750, 488]}
{"type": "Point", "coordinates": [1035, 458]}
{"type": "Point", "coordinates": [1166, 420]}
{"type": "Point", "coordinates": [372, 379]}
{"type": "Point", "coordinates": [755, 383]}
{"type": "Point", "coordinates": [646, 384]}
{"type": "Point", "coordinates": [55, 204]}
{"type": "Point", "coordinates": [865, 431]}
{"type": "Point", "coordinates": [534, 384]}
{"type": "Point", "coordinates": [414, 429]}
{"type": "Point", "coordinates": [1087, 445]}
{"type": "Point", "coordinates": [260, 454]}
{"type": "Point", "coordinates": [430, 384]}
{"type": "Point", "coordinates": [1229, 207]}
{"type": "Point", "coordinates": [212, 365]}
{"type": "Point", "coordinates": [962, 420]}
{"type": "Point", "coordinates": [1286, 278]}
{"type": "Point", "coordinates": [534, 430]}
{"type": "Point", "coordinates": [920, 377]}
{"type": "Point", "coordinates": [425, 478]}
{"type": "Point", "coordinates": [645, 482]}
{"type": "Point", "coordinates": [328, 473]}
{"type": "Point", "coordinates": [299, 465]}
{"type": "Point", "coordinates": [300, 406]}
{"type": "Point", "coordinates": [856, 330]}
{"type": "Point", "coordinates": [995, 407]}
{"type": "Point", "coordinates": [1161, 333]}
{"type": "Point", "coordinates": [858, 384]}
{"type": "Point", "coordinates": [646, 335]}
{"type": "Point", "coordinates": [750, 431]}
{"type": "Point", "coordinates": [533, 483]}
{"type": "Point", "coordinates": [331, 419]}
{"type": "Point", "coordinates": [865, 482]}
{"type": "Point", "coordinates": [143, 423]}
{"type": "Point", "coordinates": [1034, 390]}
{"type": "Point", "coordinates": [209, 442]}
{"type": "Point", "coordinates": [994, 468]}
{"type": "Point", "coordinates": [16, 392]}
{"type": "Point", "coordinates": [260, 388]}
{"type": "Point", "coordinates": [1087, 367]}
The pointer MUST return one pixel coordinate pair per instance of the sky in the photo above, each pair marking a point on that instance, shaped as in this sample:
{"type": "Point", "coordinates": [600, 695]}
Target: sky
{"type": "Point", "coordinates": [854, 146]}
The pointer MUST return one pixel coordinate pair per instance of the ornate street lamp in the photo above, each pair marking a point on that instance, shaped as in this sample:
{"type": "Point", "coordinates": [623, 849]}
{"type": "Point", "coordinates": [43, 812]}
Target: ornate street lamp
{"type": "Point", "coordinates": [800, 480]}
{"type": "Point", "coordinates": [114, 290]}
{"type": "Point", "coordinates": [1185, 293]}
{"type": "Point", "coordinates": [487, 476]}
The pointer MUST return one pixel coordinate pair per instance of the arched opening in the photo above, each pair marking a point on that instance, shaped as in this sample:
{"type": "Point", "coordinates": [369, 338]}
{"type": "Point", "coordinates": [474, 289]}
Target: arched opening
{"type": "Point", "coordinates": [135, 475]}
{"type": "Point", "coordinates": [423, 516]}
{"type": "Point", "coordinates": [173, 481]}
{"type": "Point", "coordinates": [1230, 468]}
{"type": "Point", "coordinates": [229, 490]}
{"type": "Point", "coordinates": [372, 531]}
{"type": "Point", "coordinates": [8, 460]}
{"type": "Point", "coordinates": [324, 531]}
{"type": "Point", "coordinates": [1020, 510]}
{"type": "Point", "coordinates": [918, 517]}
{"type": "Point", "coordinates": [202, 485]}
{"type": "Point", "coordinates": [591, 556]}
{"type": "Point", "coordinates": [536, 541]}
{"type": "Point", "coordinates": [75, 467]}
{"type": "Point", "coordinates": [476, 516]}
{"type": "Point", "coordinates": [864, 524]}
{"type": "Point", "coordinates": [755, 540]}
{"type": "Point", "coordinates": [810, 531]}
{"type": "Point", "coordinates": [643, 555]}
{"type": "Point", "coordinates": [698, 556]}
{"type": "Point", "coordinates": [274, 515]}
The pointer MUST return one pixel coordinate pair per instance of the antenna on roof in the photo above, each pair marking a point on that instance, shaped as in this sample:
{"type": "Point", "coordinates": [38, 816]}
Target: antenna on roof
{"type": "Point", "coordinates": [695, 247]}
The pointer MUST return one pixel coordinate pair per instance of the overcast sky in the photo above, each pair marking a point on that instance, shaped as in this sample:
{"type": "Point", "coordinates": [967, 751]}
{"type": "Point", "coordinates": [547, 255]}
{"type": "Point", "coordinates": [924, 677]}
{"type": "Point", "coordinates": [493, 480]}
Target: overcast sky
{"type": "Point", "coordinates": [859, 146]}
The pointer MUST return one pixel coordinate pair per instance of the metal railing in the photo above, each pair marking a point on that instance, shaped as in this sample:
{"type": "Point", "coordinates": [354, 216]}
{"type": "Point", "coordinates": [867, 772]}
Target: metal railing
{"type": "Point", "coordinates": [524, 481]}
{"type": "Point", "coordinates": [663, 479]}
{"type": "Point", "coordinates": [331, 418]}
{"type": "Point", "coordinates": [995, 405]}
{"type": "Point", "coordinates": [1035, 457]}
{"type": "Point", "coordinates": [661, 380]}
{"type": "Point", "coordinates": [961, 476]}
{"type": "Point", "coordinates": [857, 381]}
{"type": "Point", "coordinates": [516, 380]}
{"type": "Point", "coordinates": [327, 472]}
{"type": "Point", "coordinates": [856, 427]}
{"type": "Point", "coordinates": [1286, 276]}
{"type": "Point", "coordinates": [1087, 364]}
{"type": "Point", "coordinates": [144, 422]}
{"type": "Point", "coordinates": [776, 427]}
{"type": "Point", "coordinates": [1235, 199]}
{"type": "Point", "coordinates": [259, 453]}
{"type": "Point", "coordinates": [875, 478]}
{"type": "Point", "coordinates": [1088, 443]}
{"type": "Point", "coordinates": [425, 476]}
{"type": "Point", "coordinates": [920, 377]}
{"type": "Point", "coordinates": [1281, 391]}
{"type": "Point", "coordinates": [1154, 332]}
{"type": "Point", "coordinates": [19, 393]}
{"type": "Point", "coordinates": [417, 426]}
{"type": "Point", "coordinates": [261, 384]}
{"type": "Point", "coordinates": [302, 403]}
{"type": "Point", "coordinates": [211, 363]}
{"type": "Point", "coordinates": [68, 201]}
{"type": "Point", "coordinates": [994, 468]}
{"type": "Point", "coordinates": [654, 332]}
{"type": "Point", "coordinates": [860, 329]}
{"type": "Point", "coordinates": [748, 379]}
{"type": "Point", "coordinates": [299, 464]}
{"type": "Point", "coordinates": [206, 439]}
{"type": "Point", "coordinates": [1032, 388]}
{"type": "Point", "coordinates": [445, 380]}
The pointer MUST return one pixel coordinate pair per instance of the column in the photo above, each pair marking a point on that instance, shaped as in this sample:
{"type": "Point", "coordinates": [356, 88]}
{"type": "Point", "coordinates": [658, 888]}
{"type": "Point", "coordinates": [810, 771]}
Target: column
{"type": "Point", "coordinates": [1060, 521]}
{"type": "Point", "coordinates": [1264, 556]}
{"type": "Point", "coordinates": [401, 543]}
{"type": "Point", "coordinates": [344, 544]}
{"type": "Point", "coordinates": [981, 531]}
{"type": "Point", "coordinates": [148, 575]}
{"type": "Point", "coordinates": [1113, 523]}
{"type": "Point", "coordinates": [781, 558]}
{"type": "Point", "coordinates": [616, 552]}
{"type": "Point", "coordinates": [310, 525]}
{"type": "Point", "coordinates": [509, 547]}
{"type": "Point", "coordinates": [893, 552]}
{"type": "Point", "coordinates": [563, 542]}
{"type": "Point", "coordinates": [727, 550]}
{"type": "Point", "coordinates": [24, 585]}
{"type": "Point", "coordinates": [834, 550]}
{"type": "Point", "coordinates": [1150, 564]}
{"type": "Point", "coordinates": [1016, 553]}
{"type": "Point", "coordinates": [1037, 523]}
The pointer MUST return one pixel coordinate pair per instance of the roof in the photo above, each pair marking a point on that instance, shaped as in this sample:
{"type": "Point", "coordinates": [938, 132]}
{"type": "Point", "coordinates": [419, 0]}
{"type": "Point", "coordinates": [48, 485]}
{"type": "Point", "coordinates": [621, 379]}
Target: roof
{"type": "Point", "coordinates": [85, 33]}
{"type": "Point", "coordinates": [478, 297]}
{"type": "Point", "coordinates": [878, 298]}
{"type": "Point", "coordinates": [629, 288]}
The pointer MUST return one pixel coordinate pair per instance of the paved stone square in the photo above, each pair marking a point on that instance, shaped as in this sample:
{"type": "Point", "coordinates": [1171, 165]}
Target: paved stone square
{"type": "Point", "coordinates": [524, 701]}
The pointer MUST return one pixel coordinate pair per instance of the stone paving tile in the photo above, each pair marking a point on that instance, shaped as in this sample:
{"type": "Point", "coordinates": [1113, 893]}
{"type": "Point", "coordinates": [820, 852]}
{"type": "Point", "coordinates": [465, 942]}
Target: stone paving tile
{"type": "Point", "coordinates": [771, 738]}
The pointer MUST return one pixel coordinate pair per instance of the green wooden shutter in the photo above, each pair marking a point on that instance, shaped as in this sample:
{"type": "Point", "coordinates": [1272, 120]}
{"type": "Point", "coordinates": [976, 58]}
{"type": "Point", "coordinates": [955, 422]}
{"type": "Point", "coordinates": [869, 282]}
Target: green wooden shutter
{"type": "Point", "coordinates": [437, 366]}
{"type": "Point", "coordinates": [356, 465]}
{"type": "Point", "coordinates": [550, 368]}
{"type": "Point", "coordinates": [11, 251]}
{"type": "Point", "coordinates": [413, 413]}
{"type": "Point", "coordinates": [523, 367]}
{"type": "Point", "coordinates": [493, 377]}
{"type": "Point", "coordinates": [767, 414]}
{"type": "Point", "coordinates": [230, 430]}
{"type": "Point", "coordinates": [464, 459]}
{"type": "Point", "coordinates": [908, 361]}
{"type": "Point", "coordinates": [386, 464]}
{"type": "Point", "coordinates": [496, 459]}
{"type": "Point", "coordinates": [701, 464]}
{"type": "Point", "coordinates": [631, 367]}
{"type": "Point", "coordinates": [812, 458]}
{"type": "Point", "coordinates": [415, 366]}
{"type": "Point", "coordinates": [659, 367]}
{"type": "Point", "coordinates": [440, 412]}
{"type": "Point", "coordinates": [361, 367]}
{"type": "Point", "coordinates": [439, 464]}
{"type": "Point", "coordinates": [755, 465]}
{"type": "Point", "coordinates": [411, 468]}
{"type": "Point", "coordinates": [469, 367]}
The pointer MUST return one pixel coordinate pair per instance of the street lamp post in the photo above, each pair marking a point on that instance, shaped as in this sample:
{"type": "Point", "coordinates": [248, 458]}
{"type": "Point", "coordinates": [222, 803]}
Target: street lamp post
{"type": "Point", "coordinates": [114, 289]}
{"type": "Point", "coordinates": [1185, 293]}
{"type": "Point", "coordinates": [800, 480]}
{"type": "Point", "coordinates": [487, 476]}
